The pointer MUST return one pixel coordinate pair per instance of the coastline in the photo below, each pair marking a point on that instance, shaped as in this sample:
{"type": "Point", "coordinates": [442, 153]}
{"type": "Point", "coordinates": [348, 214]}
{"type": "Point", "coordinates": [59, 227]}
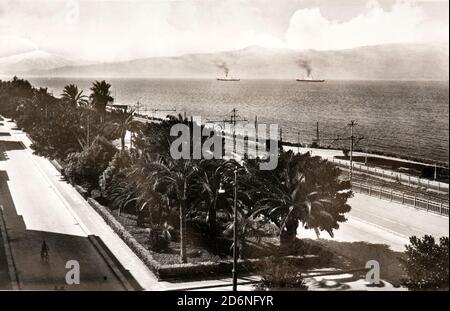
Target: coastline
{"type": "Point", "coordinates": [392, 125]}
{"type": "Point", "coordinates": [317, 150]}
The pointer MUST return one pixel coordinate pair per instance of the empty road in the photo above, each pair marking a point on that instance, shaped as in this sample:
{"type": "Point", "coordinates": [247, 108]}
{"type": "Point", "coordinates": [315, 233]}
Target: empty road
{"type": "Point", "coordinates": [383, 222]}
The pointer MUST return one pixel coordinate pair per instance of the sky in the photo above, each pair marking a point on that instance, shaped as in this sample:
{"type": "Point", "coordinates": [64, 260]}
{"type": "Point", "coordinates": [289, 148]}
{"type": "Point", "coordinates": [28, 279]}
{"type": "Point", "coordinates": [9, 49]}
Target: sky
{"type": "Point", "coordinates": [102, 30]}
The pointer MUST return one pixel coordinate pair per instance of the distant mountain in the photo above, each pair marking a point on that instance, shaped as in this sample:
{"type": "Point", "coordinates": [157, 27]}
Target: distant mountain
{"type": "Point", "coordinates": [399, 61]}
{"type": "Point", "coordinates": [34, 61]}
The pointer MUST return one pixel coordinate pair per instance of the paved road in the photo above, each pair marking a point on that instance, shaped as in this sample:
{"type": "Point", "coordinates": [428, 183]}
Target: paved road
{"type": "Point", "coordinates": [383, 222]}
{"type": "Point", "coordinates": [37, 205]}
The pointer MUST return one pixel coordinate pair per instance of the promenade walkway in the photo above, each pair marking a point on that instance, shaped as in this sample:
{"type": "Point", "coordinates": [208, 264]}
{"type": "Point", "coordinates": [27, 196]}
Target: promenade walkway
{"type": "Point", "coordinates": [36, 206]}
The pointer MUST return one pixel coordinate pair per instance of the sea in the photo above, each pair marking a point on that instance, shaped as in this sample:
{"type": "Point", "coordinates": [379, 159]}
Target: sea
{"type": "Point", "coordinates": [405, 118]}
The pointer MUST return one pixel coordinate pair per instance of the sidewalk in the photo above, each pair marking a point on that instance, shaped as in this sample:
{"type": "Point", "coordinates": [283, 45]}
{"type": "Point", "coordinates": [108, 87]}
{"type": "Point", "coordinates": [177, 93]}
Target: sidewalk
{"type": "Point", "coordinates": [39, 205]}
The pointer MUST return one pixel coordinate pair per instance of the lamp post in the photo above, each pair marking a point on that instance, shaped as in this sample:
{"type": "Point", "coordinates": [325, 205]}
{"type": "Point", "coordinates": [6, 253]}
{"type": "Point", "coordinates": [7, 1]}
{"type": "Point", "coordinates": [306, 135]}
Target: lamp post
{"type": "Point", "coordinates": [235, 250]}
{"type": "Point", "coordinates": [235, 230]}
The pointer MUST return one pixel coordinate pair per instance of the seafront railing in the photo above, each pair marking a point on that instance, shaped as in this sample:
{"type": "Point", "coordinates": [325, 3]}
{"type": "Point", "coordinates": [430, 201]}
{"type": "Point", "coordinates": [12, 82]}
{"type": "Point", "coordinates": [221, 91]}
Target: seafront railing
{"type": "Point", "coordinates": [396, 176]}
{"type": "Point", "coordinates": [411, 199]}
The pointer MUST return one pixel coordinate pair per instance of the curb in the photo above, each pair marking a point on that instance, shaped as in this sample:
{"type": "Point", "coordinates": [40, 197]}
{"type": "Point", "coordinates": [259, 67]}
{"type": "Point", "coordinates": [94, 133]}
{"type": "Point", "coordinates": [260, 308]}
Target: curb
{"type": "Point", "coordinates": [110, 262]}
{"type": "Point", "coordinates": [9, 258]}
{"type": "Point", "coordinates": [188, 288]}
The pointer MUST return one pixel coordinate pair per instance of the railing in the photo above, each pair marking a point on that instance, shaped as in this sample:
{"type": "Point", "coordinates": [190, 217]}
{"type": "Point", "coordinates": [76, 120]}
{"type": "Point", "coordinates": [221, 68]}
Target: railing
{"type": "Point", "coordinates": [397, 176]}
{"type": "Point", "coordinates": [412, 199]}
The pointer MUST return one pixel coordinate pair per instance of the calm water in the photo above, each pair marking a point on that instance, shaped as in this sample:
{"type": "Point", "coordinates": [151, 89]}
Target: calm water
{"type": "Point", "coordinates": [405, 118]}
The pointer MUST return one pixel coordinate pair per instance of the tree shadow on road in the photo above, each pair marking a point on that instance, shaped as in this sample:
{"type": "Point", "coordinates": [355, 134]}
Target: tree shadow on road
{"type": "Point", "coordinates": [6, 145]}
{"type": "Point", "coordinates": [355, 255]}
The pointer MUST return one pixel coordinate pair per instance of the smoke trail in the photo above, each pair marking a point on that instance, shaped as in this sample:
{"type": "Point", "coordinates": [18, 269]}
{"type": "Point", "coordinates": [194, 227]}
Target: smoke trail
{"type": "Point", "coordinates": [305, 64]}
{"type": "Point", "coordinates": [224, 67]}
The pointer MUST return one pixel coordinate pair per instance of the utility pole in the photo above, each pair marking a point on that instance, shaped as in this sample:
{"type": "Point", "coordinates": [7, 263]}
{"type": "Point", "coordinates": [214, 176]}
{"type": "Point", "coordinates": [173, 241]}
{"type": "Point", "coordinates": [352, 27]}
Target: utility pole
{"type": "Point", "coordinates": [353, 140]}
{"type": "Point", "coordinates": [435, 171]}
{"type": "Point", "coordinates": [352, 124]}
{"type": "Point", "coordinates": [317, 133]}
{"type": "Point", "coordinates": [233, 120]}
{"type": "Point", "coordinates": [298, 142]}
{"type": "Point", "coordinates": [256, 134]}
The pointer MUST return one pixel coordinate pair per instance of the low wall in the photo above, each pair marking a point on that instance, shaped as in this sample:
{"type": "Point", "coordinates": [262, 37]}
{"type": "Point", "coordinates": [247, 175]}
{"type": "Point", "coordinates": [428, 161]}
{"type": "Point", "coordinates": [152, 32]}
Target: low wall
{"type": "Point", "coordinates": [186, 270]}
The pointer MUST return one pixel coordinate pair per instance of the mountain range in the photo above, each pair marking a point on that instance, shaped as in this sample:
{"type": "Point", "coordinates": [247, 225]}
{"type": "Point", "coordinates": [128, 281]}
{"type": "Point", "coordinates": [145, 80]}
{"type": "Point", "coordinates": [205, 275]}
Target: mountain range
{"type": "Point", "coordinates": [34, 61]}
{"type": "Point", "coordinates": [382, 62]}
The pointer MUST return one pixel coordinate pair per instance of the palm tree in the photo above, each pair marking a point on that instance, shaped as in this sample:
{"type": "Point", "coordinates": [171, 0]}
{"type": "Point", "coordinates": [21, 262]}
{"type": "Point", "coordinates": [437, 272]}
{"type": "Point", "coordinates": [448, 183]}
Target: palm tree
{"type": "Point", "coordinates": [207, 187]}
{"type": "Point", "coordinates": [174, 178]}
{"type": "Point", "coordinates": [303, 190]}
{"type": "Point", "coordinates": [43, 99]}
{"type": "Point", "coordinates": [74, 97]}
{"type": "Point", "coordinates": [101, 96]}
{"type": "Point", "coordinates": [215, 175]}
{"type": "Point", "coordinates": [139, 189]}
{"type": "Point", "coordinates": [124, 122]}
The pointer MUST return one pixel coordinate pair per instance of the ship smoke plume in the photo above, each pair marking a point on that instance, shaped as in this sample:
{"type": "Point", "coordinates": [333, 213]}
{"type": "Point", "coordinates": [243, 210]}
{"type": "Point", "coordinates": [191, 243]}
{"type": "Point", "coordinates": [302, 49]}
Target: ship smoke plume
{"type": "Point", "coordinates": [305, 64]}
{"type": "Point", "coordinates": [224, 67]}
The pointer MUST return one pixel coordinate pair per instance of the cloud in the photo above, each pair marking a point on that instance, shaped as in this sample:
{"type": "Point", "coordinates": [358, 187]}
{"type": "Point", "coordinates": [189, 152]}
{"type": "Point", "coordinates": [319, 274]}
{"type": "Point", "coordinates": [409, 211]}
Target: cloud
{"type": "Point", "coordinates": [406, 22]}
{"type": "Point", "coordinates": [120, 30]}
{"type": "Point", "coordinates": [11, 45]}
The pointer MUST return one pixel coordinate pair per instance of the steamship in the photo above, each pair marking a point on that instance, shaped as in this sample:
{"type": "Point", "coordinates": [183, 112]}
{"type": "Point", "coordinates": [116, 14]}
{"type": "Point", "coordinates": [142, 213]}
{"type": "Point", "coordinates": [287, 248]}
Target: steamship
{"type": "Point", "coordinates": [228, 79]}
{"type": "Point", "coordinates": [309, 79]}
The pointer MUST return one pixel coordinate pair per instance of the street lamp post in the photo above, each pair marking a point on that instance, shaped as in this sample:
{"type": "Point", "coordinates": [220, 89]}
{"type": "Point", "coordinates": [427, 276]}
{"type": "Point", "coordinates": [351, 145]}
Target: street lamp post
{"type": "Point", "coordinates": [235, 255]}
{"type": "Point", "coordinates": [235, 230]}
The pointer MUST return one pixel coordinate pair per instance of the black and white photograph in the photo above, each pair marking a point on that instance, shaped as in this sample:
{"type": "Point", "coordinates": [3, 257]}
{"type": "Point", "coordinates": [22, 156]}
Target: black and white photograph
{"type": "Point", "coordinates": [245, 147]}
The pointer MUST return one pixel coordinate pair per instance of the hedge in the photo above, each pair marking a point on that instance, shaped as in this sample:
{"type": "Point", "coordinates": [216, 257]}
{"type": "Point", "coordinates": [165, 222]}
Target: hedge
{"type": "Point", "coordinates": [176, 271]}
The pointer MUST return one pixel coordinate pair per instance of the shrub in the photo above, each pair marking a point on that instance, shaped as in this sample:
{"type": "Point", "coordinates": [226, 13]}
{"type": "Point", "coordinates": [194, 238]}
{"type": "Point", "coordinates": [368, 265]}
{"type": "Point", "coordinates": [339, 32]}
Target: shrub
{"type": "Point", "coordinates": [85, 167]}
{"type": "Point", "coordinates": [280, 274]}
{"type": "Point", "coordinates": [427, 263]}
{"type": "Point", "coordinates": [115, 173]}
{"type": "Point", "coordinates": [160, 237]}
